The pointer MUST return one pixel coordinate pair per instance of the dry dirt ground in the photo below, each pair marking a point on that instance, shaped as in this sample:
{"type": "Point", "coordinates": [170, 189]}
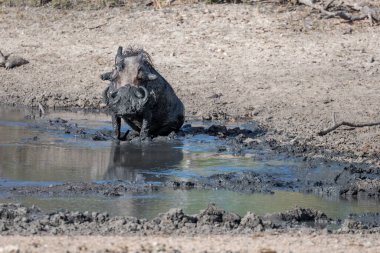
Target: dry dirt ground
{"type": "Point", "coordinates": [280, 66]}
{"type": "Point", "coordinates": [257, 243]}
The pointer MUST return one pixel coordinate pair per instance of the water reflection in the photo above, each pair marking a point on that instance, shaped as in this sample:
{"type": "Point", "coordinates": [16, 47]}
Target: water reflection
{"type": "Point", "coordinates": [130, 161]}
{"type": "Point", "coordinates": [32, 155]}
{"type": "Point", "coordinates": [51, 163]}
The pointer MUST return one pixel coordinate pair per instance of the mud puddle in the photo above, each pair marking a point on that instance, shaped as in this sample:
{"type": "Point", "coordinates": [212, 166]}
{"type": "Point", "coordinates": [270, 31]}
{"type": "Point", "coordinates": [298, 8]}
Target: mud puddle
{"type": "Point", "coordinates": [149, 205]}
{"type": "Point", "coordinates": [38, 162]}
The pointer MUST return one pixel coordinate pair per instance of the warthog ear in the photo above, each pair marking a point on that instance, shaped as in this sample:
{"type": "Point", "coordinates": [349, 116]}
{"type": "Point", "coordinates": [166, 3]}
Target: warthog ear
{"type": "Point", "coordinates": [119, 51]}
{"type": "Point", "coordinates": [119, 59]}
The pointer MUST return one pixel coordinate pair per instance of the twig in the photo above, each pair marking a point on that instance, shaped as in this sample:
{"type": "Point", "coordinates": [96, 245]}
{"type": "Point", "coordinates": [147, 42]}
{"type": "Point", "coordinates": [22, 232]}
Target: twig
{"type": "Point", "coordinates": [365, 12]}
{"type": "Point", "coordinates": [97, 26]}
{"type": "Point", "coordinates": [41, 109]}
{"type": "Point", "coordinates": [344, 123]}
{"type": "Point", "coordinates": [334, 117]}
{"type": "Point", "coordinates": [327, 6]}
{"type": "Point", "coordinates": [349, 17]}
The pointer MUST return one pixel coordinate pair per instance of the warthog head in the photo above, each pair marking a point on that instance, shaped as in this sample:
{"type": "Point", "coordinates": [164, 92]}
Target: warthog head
{"type": "Point", "coordinates": [131, 67]}
{"type": "Point", "coordinates": [128, 100]}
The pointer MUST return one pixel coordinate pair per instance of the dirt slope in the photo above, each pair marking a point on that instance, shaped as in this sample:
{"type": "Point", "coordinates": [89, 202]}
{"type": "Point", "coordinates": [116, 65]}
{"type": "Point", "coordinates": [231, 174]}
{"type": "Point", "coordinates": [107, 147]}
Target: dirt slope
{"type": "Point", "coordinates": [284, 68]}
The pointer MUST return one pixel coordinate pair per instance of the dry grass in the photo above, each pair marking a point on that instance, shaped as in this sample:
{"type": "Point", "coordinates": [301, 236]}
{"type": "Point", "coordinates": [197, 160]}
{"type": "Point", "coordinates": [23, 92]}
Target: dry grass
{"type": "Point", "coordinates": [97, 4]}
{"type": "Point", "coordinates": [65, 4]}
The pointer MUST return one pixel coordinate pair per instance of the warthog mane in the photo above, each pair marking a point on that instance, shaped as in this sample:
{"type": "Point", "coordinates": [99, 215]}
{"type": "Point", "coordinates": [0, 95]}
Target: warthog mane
{"type": "Point", "coordinates": [132, 51]}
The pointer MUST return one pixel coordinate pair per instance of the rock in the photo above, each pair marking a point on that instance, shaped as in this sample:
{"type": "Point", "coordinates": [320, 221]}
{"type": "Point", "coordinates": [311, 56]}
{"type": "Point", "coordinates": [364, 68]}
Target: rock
{"type": "Point", "coordinates": [14, 61]}
{"type": "Point", "coordinates": [252, 222]}
{"type": "Point", "coordinates": [295, 217]}
{"type": "Point", "coordinates": [249, 141]}
{"type": "Point", "coordinates": [217, 130]}
{"type": "Point", "coordinates": [10, 249]}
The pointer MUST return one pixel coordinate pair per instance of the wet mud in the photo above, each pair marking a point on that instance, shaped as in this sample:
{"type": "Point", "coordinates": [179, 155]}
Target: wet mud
{"type": "Point", "coordinates": [347, 180]}
{"type": "Point", "coordinates": [74, 189]}
{"type": "Point", "coordinates": [362, 222]}
{"type": "Point", "coordinates": [350, 181]}
{"type": "Point", "coordinates": [246, 182]}
{"type": "Point", "coordinates": [346, 185]}
{"type": "Point", "coordinates": [235, 136]}
{"type": "Point", "coordinates": [18, 219]}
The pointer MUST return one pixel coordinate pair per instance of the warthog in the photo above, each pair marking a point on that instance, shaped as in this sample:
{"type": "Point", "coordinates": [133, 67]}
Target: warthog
{"type": "Point", "coordinates": [162, 113]}
{"type": "Point", "coordinates": [128, 103]}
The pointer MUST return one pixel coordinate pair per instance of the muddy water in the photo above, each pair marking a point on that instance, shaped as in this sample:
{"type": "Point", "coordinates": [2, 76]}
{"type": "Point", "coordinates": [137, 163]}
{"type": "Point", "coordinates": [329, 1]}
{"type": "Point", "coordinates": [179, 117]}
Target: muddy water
{"type": "Point", "coordinates": [32, 155]}
{"type": "Point", "coordinates": [148, 205]}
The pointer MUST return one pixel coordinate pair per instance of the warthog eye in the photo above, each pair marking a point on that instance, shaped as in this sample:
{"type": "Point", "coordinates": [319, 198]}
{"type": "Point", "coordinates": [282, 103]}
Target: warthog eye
{"type": "Point", "coordinates": [114, 94]}
{"type": "Point", "coordinates": [119, 66]}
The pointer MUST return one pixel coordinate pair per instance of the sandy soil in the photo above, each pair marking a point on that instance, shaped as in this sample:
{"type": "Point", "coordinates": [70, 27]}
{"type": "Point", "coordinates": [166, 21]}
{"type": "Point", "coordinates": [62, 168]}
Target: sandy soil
{"type": "Point", "coordinates": [260, 243]}
{"type": "Point", "coordinates": [282, 67]}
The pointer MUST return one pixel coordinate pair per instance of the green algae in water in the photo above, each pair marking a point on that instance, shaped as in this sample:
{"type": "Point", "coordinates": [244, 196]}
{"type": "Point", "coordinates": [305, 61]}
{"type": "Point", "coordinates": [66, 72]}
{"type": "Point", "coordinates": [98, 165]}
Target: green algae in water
{"type": "Point", "coordinates": [192, 201]}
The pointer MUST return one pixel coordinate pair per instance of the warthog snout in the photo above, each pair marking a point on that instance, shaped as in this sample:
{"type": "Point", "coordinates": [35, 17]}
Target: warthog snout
{"type": "Point", "coordinates": [130, 96]}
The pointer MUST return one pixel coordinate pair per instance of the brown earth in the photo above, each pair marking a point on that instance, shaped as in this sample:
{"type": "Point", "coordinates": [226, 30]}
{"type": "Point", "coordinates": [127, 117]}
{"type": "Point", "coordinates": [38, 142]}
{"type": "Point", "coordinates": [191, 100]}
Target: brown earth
{"type": "Point", "coordinates": [280, 66]}
{"type": "Point", "coordinates": [302, 241]}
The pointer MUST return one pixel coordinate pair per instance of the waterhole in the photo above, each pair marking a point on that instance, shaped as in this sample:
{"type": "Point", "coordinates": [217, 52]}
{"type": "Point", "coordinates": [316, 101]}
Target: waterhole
{"type": "Point", "coordinates": [34, 155]}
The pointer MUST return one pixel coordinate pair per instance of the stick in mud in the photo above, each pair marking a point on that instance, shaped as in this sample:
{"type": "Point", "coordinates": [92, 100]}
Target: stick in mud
{"type": "Point", "coordinates": [365, 12]}
{"type": "Point", "coordinates": [41, 109]}
{"type": "Point", "coordinates": [344, 123]}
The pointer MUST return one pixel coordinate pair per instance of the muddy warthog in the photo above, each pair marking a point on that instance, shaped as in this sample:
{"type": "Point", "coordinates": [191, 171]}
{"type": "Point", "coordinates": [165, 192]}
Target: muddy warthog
{"type": "Point", "coordinates": [128, 103]}
{"type": "Point", "coordinates": [162, 113]}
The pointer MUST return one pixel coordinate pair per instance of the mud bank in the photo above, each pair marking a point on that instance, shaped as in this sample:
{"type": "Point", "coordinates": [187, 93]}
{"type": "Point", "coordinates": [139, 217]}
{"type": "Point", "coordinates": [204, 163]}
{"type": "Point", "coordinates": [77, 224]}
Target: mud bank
{"type": "Point", "coordinates": [114, 189]}
{"type": "Point", "coordinates": [351, 182]}
{"type": "Point", "coordinates": [237, 140]}
{"type": "Point", "coordinates": [221, 131]}
{"type": "Point", "coordinates": [348, 184]}
{"type": "Point", "coordinates": [21, 220]}
{"type": "Point", "coordinates": [353, 179]}
{"type": "Point", "coordinates": [276, 64]}
{"type": "Point", "coordinates": [18, 219]}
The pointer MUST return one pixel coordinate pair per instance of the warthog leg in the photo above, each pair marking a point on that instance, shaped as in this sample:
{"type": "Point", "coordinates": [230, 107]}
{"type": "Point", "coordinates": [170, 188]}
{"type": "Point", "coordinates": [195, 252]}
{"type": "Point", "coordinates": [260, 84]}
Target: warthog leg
{"type": "Point", "coordinates": [116, 124]}
{"type": "Point", "coordinates": [125, 136]}
{"type": "Point", "coordinates": [147, 118]}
